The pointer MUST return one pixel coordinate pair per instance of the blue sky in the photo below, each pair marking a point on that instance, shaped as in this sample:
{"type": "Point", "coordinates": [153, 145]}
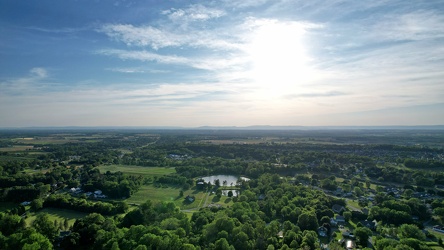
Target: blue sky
{"type": "Point", "coordinates": [221, 63]}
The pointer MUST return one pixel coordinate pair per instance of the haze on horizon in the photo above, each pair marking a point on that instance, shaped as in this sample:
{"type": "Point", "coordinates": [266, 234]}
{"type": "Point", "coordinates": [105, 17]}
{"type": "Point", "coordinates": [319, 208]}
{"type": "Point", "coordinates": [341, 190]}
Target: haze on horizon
{"type": "Point", "coordinates": [221, 63]}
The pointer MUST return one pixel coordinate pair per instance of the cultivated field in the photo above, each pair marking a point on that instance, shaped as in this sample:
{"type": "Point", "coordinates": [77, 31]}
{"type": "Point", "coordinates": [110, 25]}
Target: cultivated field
{"type": "Point", "coordinates": [137, 170]}
{"type": "Point", "coordinates": [57, 214]}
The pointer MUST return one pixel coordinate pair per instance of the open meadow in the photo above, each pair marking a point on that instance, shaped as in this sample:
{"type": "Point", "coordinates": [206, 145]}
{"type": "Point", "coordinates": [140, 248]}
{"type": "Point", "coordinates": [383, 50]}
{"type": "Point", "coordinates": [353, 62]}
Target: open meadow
{"type": "Point", "coordinates": [57, 214]}
{"type": "Point", "coordinates": [137, 170]}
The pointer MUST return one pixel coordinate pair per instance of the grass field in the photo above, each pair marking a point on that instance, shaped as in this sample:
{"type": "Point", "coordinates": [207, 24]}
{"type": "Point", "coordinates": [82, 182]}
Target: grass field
{"type": "Point", "coordinates": [16, 148]}
{"type": "Point", "coordinates": [168, 194]}
{"type": "Point", "coordinates": [149, 192]}
{"type": "Point", "coordinates": [57, 214]}
{"type": "Point", "coordinates": [137, 170]}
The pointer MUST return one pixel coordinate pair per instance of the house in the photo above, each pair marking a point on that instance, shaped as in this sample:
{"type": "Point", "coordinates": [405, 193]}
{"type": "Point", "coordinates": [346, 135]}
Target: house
{"type": "Point", "coordinates": [25, 203]}
{"type": "Point", "coordinates": [340, 219]}
{"type": "Point", "coordinates": [338, 192]}
{"type": "Point", "coordinates": [438, 228]}
{"type": "Point", "coordinates": [365, 211]}
{"type": "Point", "coordinates": [190, 198]}
{"type": "Point", "coordinates": [322, 231]}
{"type": "Point", "coordinates": [338, 208]}
{"type": "Point", "coordinates": [349, 244]}
{"type": "Point", "coordinates": [369, 224]}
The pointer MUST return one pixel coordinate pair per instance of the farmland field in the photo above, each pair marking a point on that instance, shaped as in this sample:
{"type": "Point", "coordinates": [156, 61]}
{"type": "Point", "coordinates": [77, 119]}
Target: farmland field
{"type": "Point", "coordinates": [137, 170]}
{"type": "Point", "coordinates": [57, 214]}
{"type": "Point", "coordinates": [164, 194]}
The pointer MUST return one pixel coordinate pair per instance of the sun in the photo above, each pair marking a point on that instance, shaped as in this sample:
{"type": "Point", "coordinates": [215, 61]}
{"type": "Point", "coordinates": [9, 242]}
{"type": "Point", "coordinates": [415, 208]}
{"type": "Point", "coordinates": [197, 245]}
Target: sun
{"type": "Point", "coordinates": [278, 57]}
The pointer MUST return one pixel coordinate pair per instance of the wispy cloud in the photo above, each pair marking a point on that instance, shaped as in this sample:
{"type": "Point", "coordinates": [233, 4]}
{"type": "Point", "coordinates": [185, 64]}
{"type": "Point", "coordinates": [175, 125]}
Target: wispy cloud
{"type": "Point", "coordinates": [317, 94]}
{"type": "Point", "coordinates": [137, 70]}
{"type": "Point", "coordinates": [157, 38]}
{"type": "Point", "coordinates": [416, 25]}
{"type": "Point", "coordinates": [196, 12]}
{"type": "Point", "coordinates": [39, 73]}
{"type": "Point", "coordinates": [22, 85]}
{"type": "Point", "coordinates": [65, 30]}
{"type": "Point", "coordinates": [144, 56]}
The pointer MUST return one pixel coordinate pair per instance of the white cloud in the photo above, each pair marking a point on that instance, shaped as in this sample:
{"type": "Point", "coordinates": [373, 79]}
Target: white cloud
{"type": "Point", "coordinates": [148, 36]}
{"type": "Point", "coordinates": [144, 56]}
{"type": "Point", "coordinates": [39, 72]}
{"type": "Point", "coordinates": [195, 12]}
{"type": "Point", "coordinates": [142, 36]}
{"type": "Point", "coordinates": [417, 25]}
{"type": "Point", "coordinates": [21, 85]}
{"type": "Point", "coordinates": [136, 70]}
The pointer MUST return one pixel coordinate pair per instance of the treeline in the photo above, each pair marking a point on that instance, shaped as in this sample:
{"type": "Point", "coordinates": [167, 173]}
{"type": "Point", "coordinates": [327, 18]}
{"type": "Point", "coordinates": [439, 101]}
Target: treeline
{"type": "Point", "coordinates": [114, 185]}
{"type": "Point", "coordinates": [419, 163]}
{"type": "Point", "coordinates": [24, 193]}
{"type": "Point", "coordinates": [82, 205]}
{"type": "Point", "coordinates": [397, 212]}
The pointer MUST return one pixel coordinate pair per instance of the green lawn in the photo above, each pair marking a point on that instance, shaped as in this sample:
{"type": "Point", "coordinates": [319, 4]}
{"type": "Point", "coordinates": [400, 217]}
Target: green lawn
{"type": "Point", "coordinates": [16, 148]}
{"type": "Point", "coordinates": [353, 203]}
{"type": "Point", "coordinates": [149, 192]}
{"type": "Point", "coordinates": [137, 170]}
{"type": "Point", "coordinates": [160, 194]}
{"type": "Point", "coordinates": [57, 214]}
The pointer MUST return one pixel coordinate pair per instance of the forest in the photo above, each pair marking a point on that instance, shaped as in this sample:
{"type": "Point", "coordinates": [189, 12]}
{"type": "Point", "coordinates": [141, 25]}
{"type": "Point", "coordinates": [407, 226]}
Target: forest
{"type": "Point", "coordinates": [147, 189]}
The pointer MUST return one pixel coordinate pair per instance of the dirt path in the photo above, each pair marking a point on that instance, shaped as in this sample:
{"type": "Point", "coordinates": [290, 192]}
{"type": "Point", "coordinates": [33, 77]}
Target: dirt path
{"type": "Point", "coordinates": [198, 206]}
{"type": "Point", "coordinates": [206, 199]}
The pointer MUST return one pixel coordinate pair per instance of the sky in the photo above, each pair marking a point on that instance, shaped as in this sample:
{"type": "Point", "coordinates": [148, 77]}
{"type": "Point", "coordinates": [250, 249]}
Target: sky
{"type": "Point", "coordinates": [221, 63]}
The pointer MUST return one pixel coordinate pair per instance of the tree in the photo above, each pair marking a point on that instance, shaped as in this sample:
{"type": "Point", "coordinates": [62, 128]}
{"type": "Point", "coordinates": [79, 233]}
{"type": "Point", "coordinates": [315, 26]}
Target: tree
{"type": "Point", "coordinates": [367, 184]}
{"type": "Point", "coordinates": [44, 226]}
{"type": "Point", "coordinates": [222, 244]}
{"type": "Point", "coordinates": [439, 211]}
{"type": "Point", "coordinates": [411, 231]}
{"type": "Point", "coordinates": [362, 234]}
{"type": "Point", "coordinates": [230, 193]}
{"type": "Point", "coordinates": [308, 221]}
{"type": "Point", "coordinates": [310, 240]}
{"type": "Point", "coordinates": [66, 224]}
{"type": "Point", "coordinates": [358, 191]}
{"type": "Point", "coordinates": [37, 204]}
{"type": "Point", "coordinates": [347, 215]}
{"type": "Point", "coordinates": [9, 224]}
{"type": "Point", "coordinates": [408, 193]}
{"type": "Point", "coordinates": [325, 219]}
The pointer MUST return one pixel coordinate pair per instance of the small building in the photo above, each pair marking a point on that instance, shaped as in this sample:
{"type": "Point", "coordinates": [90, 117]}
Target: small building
{"type": "Point", "coordinates": [369, 224]}
{"type": "Point", "coordinates": [322, 231]}
{"type": "Point", "coordinates": [349, 244]}
{"type": "Point", "coordinates": [340, 219]}
{"type": "Point", "coordinates": [337, 208]}
{"type": "Point", "coordinates": [190, 198]}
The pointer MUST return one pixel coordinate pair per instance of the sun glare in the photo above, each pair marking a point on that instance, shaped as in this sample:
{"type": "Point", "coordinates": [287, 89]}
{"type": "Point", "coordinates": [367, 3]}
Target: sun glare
{"type": "Point", "coordinates": [279, 58]}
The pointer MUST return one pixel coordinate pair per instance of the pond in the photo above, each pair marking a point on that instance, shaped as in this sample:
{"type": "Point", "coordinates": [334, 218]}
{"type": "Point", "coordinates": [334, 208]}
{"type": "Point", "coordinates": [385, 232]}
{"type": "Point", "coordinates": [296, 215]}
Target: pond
{"type": "Point", "coordinates": [228, 180]}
